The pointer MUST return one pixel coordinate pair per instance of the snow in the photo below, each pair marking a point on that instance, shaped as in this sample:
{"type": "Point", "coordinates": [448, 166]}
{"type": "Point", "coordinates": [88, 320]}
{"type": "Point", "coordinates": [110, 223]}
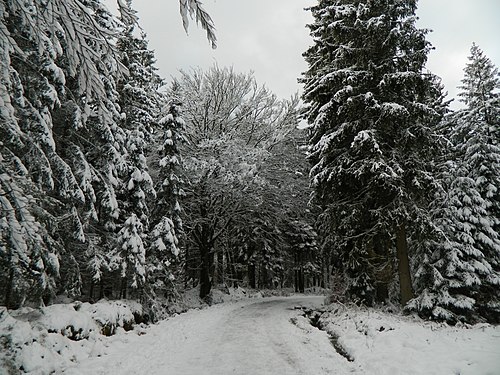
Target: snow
{"type": "Point", "coordinates": [394, 109]}
{"type": "Point", "coordinates": [167, 119]}
{"type": "Point", "coordinates": [385, 343]}
{"type": "Point", "coordinates": [246, 336]}
{"type": "Point", "coordinates": [68, 321]}
{"type": "Point", "coordinates": [42, 341]}
{"type": "Point", "coordinates": [252, 336]}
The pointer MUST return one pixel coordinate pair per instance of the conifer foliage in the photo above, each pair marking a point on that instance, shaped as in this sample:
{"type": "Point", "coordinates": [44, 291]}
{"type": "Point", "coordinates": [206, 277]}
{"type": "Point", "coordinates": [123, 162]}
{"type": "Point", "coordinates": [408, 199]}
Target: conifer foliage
{"type": "Point", "coordinates": [139, 102]}
{"type": "Point", "coordinates": [372, 108]}
{"type": "Point", "coordinates": [78, 103]}
{"type": "Point", "coordinates": [166, 221]}
{"type": "Point", "coordinates": [460, 277]}
{"type": "Point", "coordinates": [57, 89]}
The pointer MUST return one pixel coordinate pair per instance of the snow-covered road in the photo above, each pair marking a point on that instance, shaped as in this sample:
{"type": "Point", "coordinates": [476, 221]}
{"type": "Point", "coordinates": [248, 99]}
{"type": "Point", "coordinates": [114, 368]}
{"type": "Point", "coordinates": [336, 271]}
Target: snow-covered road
{"type": "Point", "coordinates": [266, 336]}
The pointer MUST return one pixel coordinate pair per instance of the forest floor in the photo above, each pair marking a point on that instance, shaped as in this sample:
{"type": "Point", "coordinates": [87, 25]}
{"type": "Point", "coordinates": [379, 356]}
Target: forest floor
{"type": "Point", "coordinates": [245, 336]}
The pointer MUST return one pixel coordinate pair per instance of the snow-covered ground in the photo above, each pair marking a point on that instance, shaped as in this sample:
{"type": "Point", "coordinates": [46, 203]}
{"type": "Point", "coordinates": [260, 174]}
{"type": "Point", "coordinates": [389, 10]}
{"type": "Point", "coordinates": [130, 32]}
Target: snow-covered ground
{"type": "Point", "coordinates": [248, 337]}
{"type": "Point", "coordinates": [385, 343]}
{"type": "Point", "coordinates": [258, 336]}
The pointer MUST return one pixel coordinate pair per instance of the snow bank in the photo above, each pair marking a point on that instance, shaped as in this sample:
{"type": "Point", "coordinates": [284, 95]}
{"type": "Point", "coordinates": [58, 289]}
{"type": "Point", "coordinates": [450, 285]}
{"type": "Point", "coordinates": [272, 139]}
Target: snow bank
{"type": "Point", "coordinates": [66, 320]}
{"type": "Point", "coordinates": [386, 343]}
{"type": "Point", "coordinates": [113, 314]}
{"type": "Point", "coordinates": [42, 341]}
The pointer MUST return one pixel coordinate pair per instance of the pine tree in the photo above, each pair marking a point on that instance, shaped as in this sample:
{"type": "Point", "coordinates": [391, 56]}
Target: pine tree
{"type": "Point", "coordinates": [372, 108]}
{"type": "Point", "coordinates": [302, 240]}
{"type": "Point", "coordinates": [29, 260]}
{"type": "Point", "coordinates": [460, 277]}
{"type": "Point", "coordinates": [34, 87]}
{"type": "Point", "coordinates": [132, 257]}
{"type": "Point", "coordinates": [96, 148]}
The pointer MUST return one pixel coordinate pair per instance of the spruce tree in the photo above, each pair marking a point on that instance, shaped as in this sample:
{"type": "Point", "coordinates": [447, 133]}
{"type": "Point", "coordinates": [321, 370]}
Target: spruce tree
{"type": "Point", "coordinates": [460, 276]}
{"type": "Point", "coordinates": [171, 129]}
{"type": "Point", "coordinates": [32, 90]}
{"type": "Point", "coordinates": [164, 246]}
{"type": "Point", "coordinates": [95, 145]}
{"type": "Point", "coordinates": [138, 100]}
{"type": "Point", "coordinates": [62, 142]}
{"type": "Point", "coordinates": [63, 146]}
{"type": "Point", "coordinates": [372, 107]}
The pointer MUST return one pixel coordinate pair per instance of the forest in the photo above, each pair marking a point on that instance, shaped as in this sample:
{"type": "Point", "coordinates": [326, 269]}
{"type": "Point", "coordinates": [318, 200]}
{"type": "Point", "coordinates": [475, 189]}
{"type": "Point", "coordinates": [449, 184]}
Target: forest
{"type": "Point", "coordinates": [116, 185]}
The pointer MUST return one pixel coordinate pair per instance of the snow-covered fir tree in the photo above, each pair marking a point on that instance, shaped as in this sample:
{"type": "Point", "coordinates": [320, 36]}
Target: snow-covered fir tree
{"type": "Point", "coordinates": [171, 133]}
{"type": "Point", "coordinates": [37, 65]}
{"type": "Point", "coordinates": [62, 134]}
{"type": "Point", "coordinates": [138, 100]}
{"type": "Point", "coordinates": [460, 276]}
{"type": "Point", "coordinates": [63, 144]}
{"type": "Point", "coordinates": [131, 257]}
{"type": "Point", "coordinates": [29, 262]}
{"type": "Point", "coordinates": [164, 246]}
{"type": "Point", "coordinates": [302, 240]}
{"type": "Point", "coordinates": [22, 238]}
{"type": "Point", "coordinates": [372, 108]}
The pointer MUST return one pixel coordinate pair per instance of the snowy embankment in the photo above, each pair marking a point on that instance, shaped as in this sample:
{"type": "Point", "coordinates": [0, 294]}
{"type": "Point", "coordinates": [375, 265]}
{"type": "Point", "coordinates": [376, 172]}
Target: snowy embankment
{"type": "Point", "coordinates": [42, 341]}
{"type": "Point", "coordinates": [377, 342]}
{"type": "Point", "coordinates": [250, 336]}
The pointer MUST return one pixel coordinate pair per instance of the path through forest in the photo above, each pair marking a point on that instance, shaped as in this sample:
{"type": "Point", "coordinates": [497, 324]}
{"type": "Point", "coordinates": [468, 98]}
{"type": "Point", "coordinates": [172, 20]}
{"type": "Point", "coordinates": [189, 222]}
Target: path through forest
{"type": "Point", "coordinates": [267, 336]}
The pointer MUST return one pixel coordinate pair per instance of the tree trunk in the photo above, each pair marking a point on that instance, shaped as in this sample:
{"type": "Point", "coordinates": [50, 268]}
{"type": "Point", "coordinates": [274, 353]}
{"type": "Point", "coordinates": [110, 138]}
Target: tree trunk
{"type": "Point", "coordinates": [301, 272]}
{"type": "Point", "coordinates": [91, 293]}
{"type": "Point", "coordinates": [328, 270]}
{"type": "Point", "coordinates": [301, 279]}
{"type": "Point", "coordinates": [296, 271]}
{"type": "Point", "coordinates": [231, 269]}
{"type": "Point", "coordinates": [215, 275]}
{"type": "Point", "coordinates": [296, 280]}
{"type": "Point", "coordinates": [101, 288]}
{"type": "Point", "coordinates": [206, 265]}
{"type": "Point", "coordinates": [186, 265]}
{"type": "Point", "coordinates": [224, 265]}
{"type": "Point", "coordinates": [264, 277]}
{"type": "Point", "coordinates": [123, 293]}
{"type": "Point", "coordinates": [251, 275]}
{"type": "Point", "coordinates": [403, 265]}
{"type": "Point", "coordinates": [8, 289]}
{"type": "Point", "coordinates": [382, 264]}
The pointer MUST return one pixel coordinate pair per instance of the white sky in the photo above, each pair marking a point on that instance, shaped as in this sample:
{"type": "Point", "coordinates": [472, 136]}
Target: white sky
{"type": "Point", "coordinates": [269, 37]}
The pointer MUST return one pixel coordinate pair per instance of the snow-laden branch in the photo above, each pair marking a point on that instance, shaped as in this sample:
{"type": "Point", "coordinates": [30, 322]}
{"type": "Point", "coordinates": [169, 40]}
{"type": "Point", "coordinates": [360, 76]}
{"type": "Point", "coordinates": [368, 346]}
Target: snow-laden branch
{"type": "Point", "coordinates": [193, 9]}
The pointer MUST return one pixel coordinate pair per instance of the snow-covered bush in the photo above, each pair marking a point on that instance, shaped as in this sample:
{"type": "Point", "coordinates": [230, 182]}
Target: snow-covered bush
{"type": "Point", "coordinates": [110, 315]}
{"type": "Point", "coordinates": [45, 340]}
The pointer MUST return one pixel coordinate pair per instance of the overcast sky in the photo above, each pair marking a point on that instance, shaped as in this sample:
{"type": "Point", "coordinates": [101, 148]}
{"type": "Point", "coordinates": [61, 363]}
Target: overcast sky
{"type": "Point", "coordinates": [269, 37]}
